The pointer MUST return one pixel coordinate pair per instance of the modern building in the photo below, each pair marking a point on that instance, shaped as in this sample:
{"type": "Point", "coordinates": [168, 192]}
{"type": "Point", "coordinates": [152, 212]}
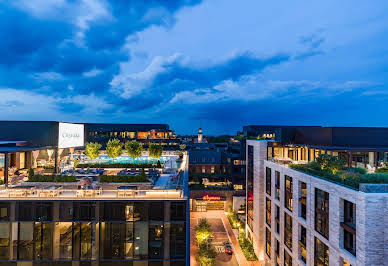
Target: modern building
{"type": "Point", "coordinates": [145, 133]}
{"type": "Point", "coordinates": [296, 218]}
{"type": "Point", "coordinates": [70, 223]}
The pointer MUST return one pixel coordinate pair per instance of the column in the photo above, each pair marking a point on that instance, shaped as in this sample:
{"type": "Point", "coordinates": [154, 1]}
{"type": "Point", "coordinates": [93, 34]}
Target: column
{"type": "Point", "coordinates": [56, 160]}
{"type": "Point", "coordinates": [166, 235]}
{"type": "Point", "coordinates": [6, 166]}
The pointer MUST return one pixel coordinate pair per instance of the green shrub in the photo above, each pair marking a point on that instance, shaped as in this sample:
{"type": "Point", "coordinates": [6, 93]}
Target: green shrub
{"type": "Point", "coordinates": [382, 170]}
{"type": "Point", "coordinates": [247, 247]}
{"type": "Point", "coordinates": [91, 149]}
{"type": "Point", "coordinates": [122, 179]}
{"type": "Point", "coordinates": [52, 178]}
{"type": "Point", "coordinates": [206, 255]}
{"type": "Point", "coordinates": [359, 170]}
{"type": "Point", "coordinates": [31, 172]}
{"type": "Point", "coordinates": [233, 219]}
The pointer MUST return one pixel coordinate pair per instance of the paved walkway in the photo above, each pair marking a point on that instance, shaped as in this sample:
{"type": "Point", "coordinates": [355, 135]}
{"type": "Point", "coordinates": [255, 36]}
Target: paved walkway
{"type": "Point", "coordinates": [242, 261]}
{"type": "Point", "coordinates": [220, 236]}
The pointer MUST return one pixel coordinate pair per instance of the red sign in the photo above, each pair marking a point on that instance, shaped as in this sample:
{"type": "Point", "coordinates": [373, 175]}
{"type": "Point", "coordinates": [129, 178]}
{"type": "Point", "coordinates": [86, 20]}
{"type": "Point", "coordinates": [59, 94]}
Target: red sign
{"type": "Point", "coordinates": [211, 198]}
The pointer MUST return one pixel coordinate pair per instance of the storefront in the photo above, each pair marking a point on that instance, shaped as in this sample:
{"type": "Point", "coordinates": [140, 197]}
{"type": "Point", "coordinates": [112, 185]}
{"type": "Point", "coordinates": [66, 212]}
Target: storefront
{"type": "Point", "coordinates": [208, 203]}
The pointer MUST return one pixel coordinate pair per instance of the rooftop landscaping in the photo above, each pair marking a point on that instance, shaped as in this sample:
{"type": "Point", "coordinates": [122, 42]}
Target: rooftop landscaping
{"type": "Point", "coordinates": [123, 179]}
{"type": "Point", "coordinates": [333, 168]}
{"type": "Point", "coordinates": [52, 178]}
{"type": "Point", "coordinates": [119, 165]}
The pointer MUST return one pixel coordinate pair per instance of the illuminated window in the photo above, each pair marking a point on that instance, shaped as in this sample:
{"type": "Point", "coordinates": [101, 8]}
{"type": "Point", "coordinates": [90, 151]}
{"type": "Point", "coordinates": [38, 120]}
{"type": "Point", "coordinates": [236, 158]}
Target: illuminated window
{"type": "Point", "coordinates": [203, 169]}
{"type": "Point", "coordinates": [212, 170]}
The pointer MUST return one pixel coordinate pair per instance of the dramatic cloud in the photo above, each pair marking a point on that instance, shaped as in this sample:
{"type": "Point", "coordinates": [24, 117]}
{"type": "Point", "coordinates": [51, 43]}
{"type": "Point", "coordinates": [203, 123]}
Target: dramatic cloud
{"type": "Point", "coordinates": [221, 62]}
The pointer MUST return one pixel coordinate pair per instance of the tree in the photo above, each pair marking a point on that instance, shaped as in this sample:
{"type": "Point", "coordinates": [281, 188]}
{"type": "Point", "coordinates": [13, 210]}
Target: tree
{"type": "Point", "coordinates": [182, 146]}
{"type": "Point", "coordinates": [155, 151]}
{"type": "Point", "coordinates": [203, 232]}
{"type": "Point", "coordinates": [91, 149]}
{"type": "Point", "coordinates": [134, 149]}
{"type": "Point", "coordinates": [330, 163]}
{"type": "Point", "coordinates": [206, 255]}
{"type": "Point", "coordinates": [114, 148]}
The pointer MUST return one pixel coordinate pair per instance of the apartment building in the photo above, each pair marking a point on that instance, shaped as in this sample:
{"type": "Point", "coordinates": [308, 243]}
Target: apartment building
{"type": "Point", "coordinates": [295, 218]}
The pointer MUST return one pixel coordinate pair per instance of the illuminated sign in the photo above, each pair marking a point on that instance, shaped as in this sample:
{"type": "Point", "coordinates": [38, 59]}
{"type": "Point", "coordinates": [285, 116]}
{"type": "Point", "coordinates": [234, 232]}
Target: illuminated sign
{"type": "Point", "coordinates": [212, 198]}
{"type": "Point", "coordinates": [70, 135]}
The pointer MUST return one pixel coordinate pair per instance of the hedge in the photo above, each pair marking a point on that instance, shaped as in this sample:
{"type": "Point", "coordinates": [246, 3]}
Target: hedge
{"type": "Point", "coordinates": [52, 178]}
{"type": "Point", "coordinates": [122, 179]}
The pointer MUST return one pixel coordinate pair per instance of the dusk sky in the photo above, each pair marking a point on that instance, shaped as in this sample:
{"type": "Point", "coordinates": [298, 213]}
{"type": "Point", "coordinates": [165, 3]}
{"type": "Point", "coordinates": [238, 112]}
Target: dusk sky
{"type": "Point", "coordinates": [219, 63]}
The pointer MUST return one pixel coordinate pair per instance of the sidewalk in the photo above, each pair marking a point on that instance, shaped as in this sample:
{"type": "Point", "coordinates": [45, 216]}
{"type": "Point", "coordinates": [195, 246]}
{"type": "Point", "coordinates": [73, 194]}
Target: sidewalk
{"type": "Point", "coordinates": [242, 261]}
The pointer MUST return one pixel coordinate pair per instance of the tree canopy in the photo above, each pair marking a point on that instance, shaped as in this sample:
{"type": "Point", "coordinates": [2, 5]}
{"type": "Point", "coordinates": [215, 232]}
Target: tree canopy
{"type": "Point", "coordinates": [114, 148]}
{"type": "Point", "coordinates": [91, 149]}
{"type": "Point", "coordinates": [155, 151]}
{"type": "Point", "coordinates": [134, 149]}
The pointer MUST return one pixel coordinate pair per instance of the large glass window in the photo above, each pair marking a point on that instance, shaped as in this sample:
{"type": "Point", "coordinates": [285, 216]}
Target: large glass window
{"type": "Point", "coordinates": [4, 240]}
{"type": "Point", "coordinates": [156, 211]}
{"type": "Point", "coordinates": [112, 240]}
{"type": "Point", "coordinates": [178, 211]}
{"type": "Point", "coordinates": [4, 211]}
{"type": "Point", "coordinates": [268, 211]}
{"type": "Point", "coordinates": [277, 185]}
{"type": "Point", "coordinates": [25, 242]}
{"type": "Point", "coordinates": [302, 199]}
{"type": "Point", "coordinates": [65, 231]}
{"type": "Point", "coordinates": [156, 234]}
{"type": "Point", "coordinates": [321, 253]}
{"type": "Point", "coordinates": [288, 230]}
{"type": "Point", "coordinates": [277, 219]}
{"type": "Point", "coordinates": [302, 243]}
{"type": "Point", "coordinates": [141, 240]}
{"type": "Point", "coordinates": [43, 236]}
{"type": "Point", "coordinates": [268, 242]}
{"type": "Point", "coordinates": [83, 239]}
{"type": "Point", "coordinates": [322, 212]}
{"type": "Point", "coordinates": [287, 259]}
{"type": "Point", "coordinates": [268, 180]}
{"type": "Point", "coordinates": [288, 192]}
{"type": "Point", "coordinates": [349, 227]}
{"type": "Point", "coordinates": [177, 240]}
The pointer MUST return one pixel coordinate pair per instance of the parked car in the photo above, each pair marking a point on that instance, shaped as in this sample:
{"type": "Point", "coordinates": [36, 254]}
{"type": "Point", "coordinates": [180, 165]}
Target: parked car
{"type": "Point", "coordinates": [228, 248]}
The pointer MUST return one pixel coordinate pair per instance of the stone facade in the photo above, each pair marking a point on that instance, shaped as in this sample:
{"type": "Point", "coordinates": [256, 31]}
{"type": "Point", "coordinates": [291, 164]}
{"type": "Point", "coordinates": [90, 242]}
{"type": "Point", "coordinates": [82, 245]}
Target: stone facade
{"type": "Point", "coordinates": [371, 215]}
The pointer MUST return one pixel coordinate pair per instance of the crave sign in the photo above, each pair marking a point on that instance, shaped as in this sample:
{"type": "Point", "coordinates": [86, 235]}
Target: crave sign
{"type": "Point", "coordinates": [70, 135]}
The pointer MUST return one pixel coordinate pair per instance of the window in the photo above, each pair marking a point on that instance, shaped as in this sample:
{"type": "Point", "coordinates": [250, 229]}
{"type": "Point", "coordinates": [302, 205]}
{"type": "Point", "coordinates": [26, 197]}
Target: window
{"type": "Point", "coordinates": [322, 212]}
{"type": "Point", "coordinates": [277, 219]}
{"type": "Point", "coordinates": [302, 200]}
{"type": "Point", "coordinates": [288, 230]}
{"type": "Point", "coordinates": [321, 253]}
{"type": "Point", "coordinates": [212, 169]}
{"type": "Point", "coordinates": [287, 259]}
{"type": "Point", "coordinates": [277, 252]}
{"type": "Point", "coordinates": [65, 231]}
{"type": "Point", "coordinates": [268, 211]}
{"type": "Point", "coordinates": [155, 249]}
{"type": "Point", "coordinates": [302, 244]}
{"type": "Point", "coordinates": [268, 180]}
{"type": "Point", "coordinates": [277, 185]}
{"type": "Point", "coordinates": [203, 169]}
{"type": "Point", "coordinates": [349, 227]}
{"type": "Point", "coordinates": [4, 211]}
{"type": "Point", "coordinates": [288, 192]}
{"type": "Point", "coordinates": [177, 240]}
{"type": "Point", "coordinates": [4, 241]}
{"type": "Point", "coordinates": [268, 242]}
{"type": "Point", "coordinates": [178, 211]}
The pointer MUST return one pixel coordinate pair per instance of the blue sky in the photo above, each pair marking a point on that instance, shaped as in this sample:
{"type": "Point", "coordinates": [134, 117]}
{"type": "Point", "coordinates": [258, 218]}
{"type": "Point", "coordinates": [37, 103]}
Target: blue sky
{"type": "Point", "coordinates": [219, 63]}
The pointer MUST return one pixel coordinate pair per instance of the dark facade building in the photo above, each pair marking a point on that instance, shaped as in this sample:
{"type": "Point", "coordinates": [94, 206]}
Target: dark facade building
{"type": "Point", "coordinates": [70, 223]}
{"type": "Point", "coordinates": [93, 232]}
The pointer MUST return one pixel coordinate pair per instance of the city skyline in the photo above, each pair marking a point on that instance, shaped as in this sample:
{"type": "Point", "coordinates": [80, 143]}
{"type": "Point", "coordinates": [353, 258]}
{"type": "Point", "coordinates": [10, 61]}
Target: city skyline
{"type": "Point", "coordinates": [187, 63]}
